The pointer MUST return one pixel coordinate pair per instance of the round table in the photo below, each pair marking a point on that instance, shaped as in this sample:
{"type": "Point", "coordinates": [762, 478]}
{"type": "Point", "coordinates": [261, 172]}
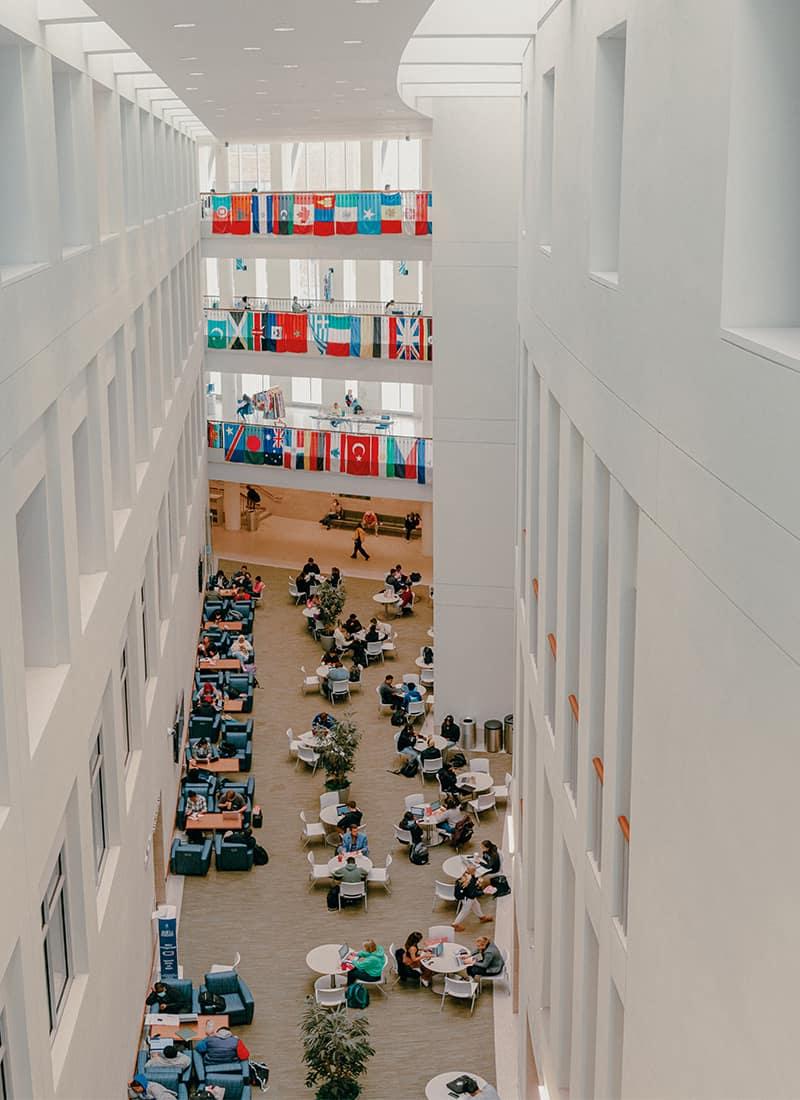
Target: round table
{"type": "Point", "coordinates": [420, 663]}
{"type": "Point", "coordinates": [325, 959]}
{"type": "Point", "coordinates": [387, 601]}
{"type": "Point", "coordinates": [479, 781]}
{"type": "Point", "coordinates": [322, 671]}
{"type": "Point", "coordinates": [311, 612]}
{"type": "Point", "coordinates": [329, 815]}
{"type": "Point", "coordinates": [361, 861]}
{"type": "Point", "coordinates": [436, 1088]}
{"type": "Point", "coordinates": [420, 688]}
{"type": "Point", "coordinates": [455, 866]}
{"type": "Point", "coordinates": [449, 962]}
{"type": "Point", "coordinates": [441, 743]}
{"type": "Point", "coordinates": [309, 739]}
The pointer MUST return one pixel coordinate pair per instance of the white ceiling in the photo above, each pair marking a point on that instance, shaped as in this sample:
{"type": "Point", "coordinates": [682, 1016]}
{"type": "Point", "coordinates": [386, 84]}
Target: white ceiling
{"type": "Point", "coordinates": [236, 79]}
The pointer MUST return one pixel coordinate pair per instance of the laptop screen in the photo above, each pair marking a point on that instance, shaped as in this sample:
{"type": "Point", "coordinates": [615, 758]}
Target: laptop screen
{"type": "Point", "coordinates": [438, 949]}
{"type": "Point", "coordinates": [418, 811]}
{"type": "Point", "coordinates": [341, 808]}
{"type": "Point", "coordinates": [344, 951]}
{"type": "Point", "coordinates": [435, 806]}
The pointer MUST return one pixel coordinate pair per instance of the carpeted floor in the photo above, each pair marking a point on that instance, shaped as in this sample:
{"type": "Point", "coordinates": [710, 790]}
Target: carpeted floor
{"type": "Point", "coordinates": [270, 916]}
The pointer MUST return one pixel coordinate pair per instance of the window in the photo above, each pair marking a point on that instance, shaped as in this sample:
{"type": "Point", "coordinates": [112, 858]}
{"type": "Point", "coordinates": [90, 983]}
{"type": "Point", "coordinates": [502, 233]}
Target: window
{"type": "Point", "coordinates": [307, 391]}
{"type": "Point", "coordinates": [397, 397]}
{"type": "Point", "coordinates": [622, 899]}
{"type": "Point", "coordinates": [126, 704]}
{"type": "Point", "coordinates": [55, 936]}
{"type": "Point", "coordinates": [98, 797]}
{"type": "Point", "coordinates": [607, 171]}
{"type": "Point", "coordinates": [5, 1076]}
{"type": "Point", "coordinates": [546, 159]}
{"type": "Point", "coordinates": [145, 639]}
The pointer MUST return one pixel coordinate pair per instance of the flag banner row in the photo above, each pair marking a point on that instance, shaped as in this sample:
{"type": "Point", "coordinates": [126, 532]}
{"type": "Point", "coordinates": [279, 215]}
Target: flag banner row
{"type": "Point", "coordinates": [339, 213]}
{"type": "Point", "coordinates": [404, 457]}
{"type": "Point", "coordinates": [363, 336]}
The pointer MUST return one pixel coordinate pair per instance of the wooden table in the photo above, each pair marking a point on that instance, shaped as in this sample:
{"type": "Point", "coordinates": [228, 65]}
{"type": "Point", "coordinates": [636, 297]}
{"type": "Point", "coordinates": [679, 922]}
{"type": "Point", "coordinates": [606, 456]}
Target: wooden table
{"type": "Point", "coordinates": [233, 706]}
{"type": "Point", "coordinates": [229, 820]}
{"type": "Point", "coordinates": [166, 1031]}
{"type": "Point", "coordinates": [222, 764]}
{"type": "Point", "coordinates": [229, 627]}
{"type": "Point", "coordinates": [450, 962]}
{"type": "Point", "coordinates": [436, 1088]}
{"type": "Point", "coordinates": [478, 781]}
{"type": "Point", "coordinates": [227, 664]}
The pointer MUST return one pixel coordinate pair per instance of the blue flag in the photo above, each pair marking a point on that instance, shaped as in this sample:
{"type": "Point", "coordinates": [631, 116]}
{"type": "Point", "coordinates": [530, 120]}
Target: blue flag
{"type": "Point", "coordinates": [369, 213]}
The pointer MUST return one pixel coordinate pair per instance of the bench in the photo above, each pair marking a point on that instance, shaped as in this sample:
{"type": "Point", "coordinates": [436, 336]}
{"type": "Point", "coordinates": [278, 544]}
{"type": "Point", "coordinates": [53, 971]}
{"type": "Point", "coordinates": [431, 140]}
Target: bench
{"type": "Point", "coordinates": [388, 524]}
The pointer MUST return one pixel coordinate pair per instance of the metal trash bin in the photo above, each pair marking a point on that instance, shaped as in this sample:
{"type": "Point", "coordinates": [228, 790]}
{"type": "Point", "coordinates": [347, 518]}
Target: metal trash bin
{"type": "Point", "coordinates": [508, 733]}
{"type": "Point", "coordinates": [493, 735]}
{"type": "Point", "coordinates": [469, 733]}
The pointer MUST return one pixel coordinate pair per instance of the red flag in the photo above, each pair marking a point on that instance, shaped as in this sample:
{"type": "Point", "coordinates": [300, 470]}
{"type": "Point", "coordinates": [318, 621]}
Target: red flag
{"type": "Point", "coordinates": [303, 213]}
{"type": "Point", "coordinates": [360, 455]}
{"type": "Point", "coordinates": [258, 332]}
{"type": "Point", "coordinates": [392, 337]}
{"type": "Point", "coordinates": [240, 214]}
{"type": "Point", "coordinates": [323, 215]}
{"type": "Point", "coordinates": [295, 332]}
{"type": "Point", "coordinates": [421, 222]}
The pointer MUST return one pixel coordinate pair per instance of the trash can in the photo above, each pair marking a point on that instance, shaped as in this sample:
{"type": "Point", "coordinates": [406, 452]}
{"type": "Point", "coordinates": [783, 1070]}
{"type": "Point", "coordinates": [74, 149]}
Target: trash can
{"type": "Point", "coordinates": [508, 733]}
{"type": "Point", "coordinates": [493, 735]}
{"type": "Point", "coordinates": [469, 733]}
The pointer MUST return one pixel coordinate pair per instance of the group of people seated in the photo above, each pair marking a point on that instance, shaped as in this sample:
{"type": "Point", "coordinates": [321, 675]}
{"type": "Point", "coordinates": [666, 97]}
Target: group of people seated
{"type": "Point", "coordinates": [487, 960]}
{"type": "Point", "coordinates": [400, 697]}
{"type": "Point", "coordinates": [401, 585]}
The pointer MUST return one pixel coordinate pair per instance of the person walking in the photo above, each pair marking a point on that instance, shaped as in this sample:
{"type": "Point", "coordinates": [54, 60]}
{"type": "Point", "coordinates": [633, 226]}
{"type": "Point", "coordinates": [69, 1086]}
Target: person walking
{"type": "Point", "coordinates": [358, 543]}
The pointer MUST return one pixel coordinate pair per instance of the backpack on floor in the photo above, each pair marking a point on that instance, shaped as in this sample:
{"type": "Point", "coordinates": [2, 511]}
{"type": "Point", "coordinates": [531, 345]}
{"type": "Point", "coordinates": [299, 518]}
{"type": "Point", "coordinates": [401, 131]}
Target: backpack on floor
{"type": "Point", "coordinates": [462, 832]}
{"type": "Point", "coordinates": [398, 719]}
{"type": "Point", "coordinates": [457, 760]}
{"type": "Point", "coordinates": [357, 996]}
{"type": "Point", "coordinates": [501, 886]}
{"type": "Point", "coordinates": [259, 1075]}
{"type": "Point", "coordinates": [409, 769]}
{"type": "Point", "coordinates": [260, 856]}
{"type": "Point", "coordinates": [418, 853]}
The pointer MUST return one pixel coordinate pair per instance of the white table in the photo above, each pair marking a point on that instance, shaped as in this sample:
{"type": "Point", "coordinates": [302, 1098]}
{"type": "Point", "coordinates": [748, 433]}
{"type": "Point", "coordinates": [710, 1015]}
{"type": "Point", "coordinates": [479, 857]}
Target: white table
{"type": "Point", "coordinates": [455, 866]}
{"type": "Point", "coordinates": [421, 663]}
{"type": "Point", "coordinates": [441, 743]}
{"type": "Point", "coordinates": [361, 861]}
{"type": "Point", "coordinates": [436, 1088]}
{"type": "Point", "coordinates": [448, 962]}
{"type": "Point", "coordinates": [325, 959]}
{"type": "Point", "coordinates": [420, 688]}
{"type": "Point", "coordinates": [386, 599]}
{"type": "Point", "coordinates": [329, 815]}
{"type": "Point", "coordinates": [309, 739]}
{"type": "Point", "coordinates": [479, 781]}
{"type": "Point", "coordinates": [311, 612]}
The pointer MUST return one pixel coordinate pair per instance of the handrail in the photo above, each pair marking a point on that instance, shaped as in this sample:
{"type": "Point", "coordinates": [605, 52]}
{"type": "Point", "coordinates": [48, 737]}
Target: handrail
{"type": "Point", "coordinates": [597, 764]}
{"type": "Point", "coordinates": [625, 827]}
{"type": "Point", "coordinates": [551, 638]}
{"type": "Point", "coordinates": [536, 587]}
{"type": "Point", "coordinates": [317, 305]}
{"type": "Point", "coordinates": [573, 706]}
{"type": "Point", "coordinates": [322, 191]}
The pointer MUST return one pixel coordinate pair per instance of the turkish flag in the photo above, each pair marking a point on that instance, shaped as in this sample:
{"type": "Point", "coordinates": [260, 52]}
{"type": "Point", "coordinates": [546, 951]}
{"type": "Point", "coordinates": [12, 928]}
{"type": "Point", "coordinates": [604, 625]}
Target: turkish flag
{"type": "Point", "coordinates": [360, 455]}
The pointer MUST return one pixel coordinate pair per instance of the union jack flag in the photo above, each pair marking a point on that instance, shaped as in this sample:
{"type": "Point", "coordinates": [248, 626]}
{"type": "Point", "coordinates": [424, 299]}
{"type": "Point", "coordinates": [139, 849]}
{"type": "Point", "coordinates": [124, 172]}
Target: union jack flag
{"type": "Point", "coordinates": [408, 338]}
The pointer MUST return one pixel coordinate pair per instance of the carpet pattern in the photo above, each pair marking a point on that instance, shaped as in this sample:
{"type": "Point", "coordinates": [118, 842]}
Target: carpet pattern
{"type": "Point", "coordinates": [272, 918]}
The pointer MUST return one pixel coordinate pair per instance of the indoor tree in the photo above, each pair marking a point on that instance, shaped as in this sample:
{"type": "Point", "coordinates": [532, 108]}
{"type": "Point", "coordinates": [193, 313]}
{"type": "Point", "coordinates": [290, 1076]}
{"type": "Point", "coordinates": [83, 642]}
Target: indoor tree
{"type": "Point", "coordinates": [337, 752]}
{"type": "Point", "coordinates": [336, 1050]}
{"type": "Point", "coordinates": [331, 604]}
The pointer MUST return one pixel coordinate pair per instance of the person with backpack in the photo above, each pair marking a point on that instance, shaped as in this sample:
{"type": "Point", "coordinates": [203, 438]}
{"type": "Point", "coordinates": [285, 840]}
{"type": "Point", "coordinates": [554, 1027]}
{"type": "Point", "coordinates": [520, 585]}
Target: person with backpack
{"type": "Point", "coordinates": [411, 825]}
{"type": "Point", "coordinates": [369, 964]}
{"type": "Point", "coordinates": [221, 1047]}
{"type": "Point", "coordinates": [410, 963]}
{"type": "Point", "coordinates": [406, 742]}
{"type": "Point", "coordinates": [467, 891]}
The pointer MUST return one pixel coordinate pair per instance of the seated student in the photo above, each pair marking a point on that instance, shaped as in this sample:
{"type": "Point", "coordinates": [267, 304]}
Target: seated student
{"type": "Point", "coordinates": [390, 694]}
{"type": "Point", "coordinates": [369, 521]}
{"type": "Point", "coordinates": [410, 961]}
{"type": "Point", "coordinates": [335, 578]}
{"type": "Point", "coordinates": [204, 707]}
{"type": "Point", "coordinates": [168, 1058]}
{"type": "Point", "coordinates": [430, 752]}
{"type": "Point", "coordinates": [352, 625]}
{"type": "Point", "coordinates": [239, 576]}
{"type": "Point", "coordinates": [451, 731]}
{"type": "Point", "coordinates": [202, 750]}
{"type": "Point", "coordinates": [406, 595]}
{"type": "Point", "coordinates": [241, 650]}
{"type": "Point", "coordinates": [221, 1047]}
{"type": "Point", "coordinates": [358, 651]}
{"type": "Point", "coordinates": [149, 1090]}
{"type": "Point", "coordinates": [335, 511]}
{"type": "Point", "coordinates": [406, 741]}
{"type": "Point", "coordinates": [207, 649]}
{"type": "Point", "coordinates": [411, 825]}
{"type": "Point", "coordinates": [480, 1092]}
{"type": "Point", "coordinates": [217, 580]}
{"type": "Point", "coordinates": [336, 673]}
{"type": "Point", "coordinates": [258, 587]}
{"type": "Point", "coordinates": [331, 657]}
{"type": "Point", "coordinates": [411, 695]}
{"type": "Point", "coordinates": [354, 841]}
{"type": "Point", "coordinates": [372, 634]}
{"type": "Point", "coordinates": [448, 780]}
{"type": "Point", "coordinates": [450, 814]}
{"type": "Point", "coordinates": [302, 583]}
{"type": "Point", "coordinates": [341, 637]}
{"type": "Point", "coordinates": [218, 617]}
{"type": "Point", "coordinates": [352, 816]}
{"type": "Point", "coordinates": [394, 578]}
{"type": "Point", "coordinates": [489, 859]}
{"type": "Point", "coordinates": [195, 804]}
{"type": "Point", "coordinates": [349, 871]}
{"type": "Point", "coordinates": [311, 568]}
{"type": "Point", "coordinates": [163, 998]}
{"type": "Point", "coordinates": [230, 801]}
{"type": "Point", "coordinates": [369, 964]}
{"type": "Point", "coordinates": [488, 959]}
{"type": "Point", "coordinates": [211, 696]}
{"type": "Point", "coordinates": [322, 722]}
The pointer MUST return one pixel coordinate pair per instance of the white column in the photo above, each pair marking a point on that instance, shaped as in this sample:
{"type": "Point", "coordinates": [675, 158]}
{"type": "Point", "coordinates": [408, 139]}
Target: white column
{"type": "Point", "coordinates": [474, 422]}
{"type": "Point", "coordinates": [276, 168]}
{"type": "Point", "coordinates": [368, 280]}
{"type": "Point", "coordinates": [225, 275]}
{"type": "Point", "coordinates": [425, 164]}
{"type": "Point", "coordinates": [278, 283]}
{"type": "Point", "coordinates": [367, 173]}
{"type": "Point", "coordinates": [232, 506]}
{"type": "Point", "coordinates": [221, 174]}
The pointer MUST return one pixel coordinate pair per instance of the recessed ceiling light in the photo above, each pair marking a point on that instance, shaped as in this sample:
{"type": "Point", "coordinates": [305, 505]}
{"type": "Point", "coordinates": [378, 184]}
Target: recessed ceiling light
{"type": "Point", "coordinates": [342, 81]}
{"type": "Point", "coordinates": [259, 120]}
{"type": "Point", "coordinates": [197, 74]}
{"type": "Point", "coordinates": [191, 89]}
{"type": "Point", "coordinates": [291, 66]}
{"type": "Point", "coordinates": [208, 101]}
{"type": "Point", "coordinates": [276, 112]}
{"type": "Point", "coordinates": [252, 49]}
{"type": "Point", "coordinates": [183, 26]}
{"type": "Point", "coordinates": [282, 30]}
{"type": "Point", "coordinates": [261, 80]}
{"type": "Point", "coordinates": [359, 89]}
{"type": "Point", "coordinates": [353, 42]}
{"type": "Point", "coordinates": [368, 1]}
{"type": "Point", "coordinates": [188, 59]}
{"type": "Point", "coordinates": [262, 93]}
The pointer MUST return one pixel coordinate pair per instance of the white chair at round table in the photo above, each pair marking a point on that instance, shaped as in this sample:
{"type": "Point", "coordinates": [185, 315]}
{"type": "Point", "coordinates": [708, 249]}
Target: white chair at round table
{"type": "Point", "coordinates": [379, 876]}
{"type": "Point", "coordinates": [317, 872]}
{"type": "Point", "coordinates": [375, 651]}
{"type": "Point", "coordinates": [353, 891]}
{"type": "Point", "coordinates": [416, 709]}
{"type": "Point", "coordinates": [310, 683]}
{"type": "Point", "coordinates": [441, 932]}
{"type": "Point", "coordinates": [326, 996]}
{"type": "Point", "coordinates": [442, 891]}
{"type": "Point", "coordinates": [481, 804]}
{"type": "Point", "coordinates": [463, 989]}
{"type": "Point", "coordinates": [312, 830]}
{"type": "Point", "coordinates": [479, 764]}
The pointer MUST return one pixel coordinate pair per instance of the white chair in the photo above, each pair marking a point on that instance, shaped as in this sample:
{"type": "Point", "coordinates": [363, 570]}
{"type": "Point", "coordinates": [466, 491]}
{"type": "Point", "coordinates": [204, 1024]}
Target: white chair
{"type": "Point", "coordinates": [426, 679]}
{"type": "Point", "coordinates": [222, 968]}
{"type": "Point", "coordinates": [330, 798]}
{"type": "Point", "coordinates": [442, 891]}
{"type": "Point", "coordinates": [416, 709]}
{"type": "Point", "coordinates": [317, 872]}
{"type": "Point", "coordinates": [431, 767]}
{"type": "Point", "coordinates": [393, 963]}
{"type": "Point", "coordinates": [383, 708]}
{"type": "Point", "coordinates": [327, 996]}
{"type": "Point", "coordinates": [414, 799]}
{"type": "Point", "coordinates": [411, 678]}
{"type": "Point", "coordinates": [402, 836]}
{"type": "Point", "coordinates": [463, 989]}
{"type": "Point", "coordinates": [305, 755]}
{"type": "Point", "coordinates": [294, 592]}
{"type": "Point", "coordinates": [383, 981]}
{"type": "Point", "coordinates": [478, 764]}
{"type": "Point", "coordinates": [442, 932]}
{"type": "Point", "coordinates": [482, 803]}
{"type": "Point", "coordinates": [389, 648]}
{"type": "Point", "coordinates": [374, 651]}
{"type": "Point", "coordinates": [380, 875]}
{"type": "Point", "coordinates": [495, 979]}
{"type": "Point", "coordinates": [353, 891]}
{"type": "Point", "coordinates": [356, 685]}
{"type": "Point", "coordinates": [340, 689]}
{"type": "Point", "coordinates": [501, 790]}
{"type": "Point", "coordinates": [293, 745]}
{"type": "Point", "coordinates": [310, 683]}
{"type": "Point", "coordinates": [312, 830]}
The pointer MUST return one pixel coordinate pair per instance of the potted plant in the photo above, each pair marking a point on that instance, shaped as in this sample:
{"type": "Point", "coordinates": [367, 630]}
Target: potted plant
{"type": "Point", "coordinates": [336, 1050]}
{"type": "Point", "coordinates": [331, 604]}
{"type": "Point", "coordinates": [337, 753]}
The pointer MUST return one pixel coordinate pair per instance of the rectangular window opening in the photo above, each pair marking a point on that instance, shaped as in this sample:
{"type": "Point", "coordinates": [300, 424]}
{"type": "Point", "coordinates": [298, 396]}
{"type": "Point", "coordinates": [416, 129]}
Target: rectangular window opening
{"type": "Point", "coordinates": [609, 108]}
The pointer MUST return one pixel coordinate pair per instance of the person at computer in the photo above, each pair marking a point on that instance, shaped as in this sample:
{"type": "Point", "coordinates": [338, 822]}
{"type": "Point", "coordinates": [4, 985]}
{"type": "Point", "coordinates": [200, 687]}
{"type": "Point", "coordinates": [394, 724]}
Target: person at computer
{"type": "Point", "coordinates": [354, 842]}
{"type": "Point", "coordinates": [411, 825]}
{"type": "Point", "coordinates": [448, 815]}
{"type": "Point", "coordinates": [369, 964]}
{"type": "Point", "coordinates": [467, 890]}
{"type": "Point", "coordinates": [222, 1047]}
{"type": "Point", "coordinates": [163, 998]}
{"type": "Point", "coordinates": [448, 780]}
{"type": "Point", "coordinates": [410, 963]}
{"type": "Point", "coordinates": [489, 859]}
{"type": "Point", "coordinates": [406, 742]}
{"type": "Point", "coordinates": [349, 871]}
{"type": "Point", "coordinates": [352, 816]}
{"type": "Point", "coordinates": [195, 805]}
{"type": "Point", "coordinates": [336, 674]}
{"type": "Point", "coordinates": [412, 695]}
{"type": "Point", "coordinates": [168, 1058]}
{"type": "Point", "coordinates": [450, 730]}
{"type": "Point", "coordinates": [202, 751]}
{"type": "Point", "coordinates": [207, 649]}
{"type": "Point", "coordinates": [390, 694]}
{"type": "Point", "coordinates": [488, 960]}
{"type": "Point", "coordinates": [323, 722]}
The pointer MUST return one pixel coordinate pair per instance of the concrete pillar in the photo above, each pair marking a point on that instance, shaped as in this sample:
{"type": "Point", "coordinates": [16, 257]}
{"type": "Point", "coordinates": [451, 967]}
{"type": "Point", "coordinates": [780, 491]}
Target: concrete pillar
{"type": "Point", "coordinates": [221, 174]}
{"type": "Point", "coordinates": [225, 273]}
{"type": "Point", "coordinates": [229, 396]}
{"type": "Point", "coordinates": [427, 288]}
{"type": "Point", "coordinates": [275, 167]}
{"type": "Point", "coordinates": [368, 280]}
{"type": "Point", "coordinates": [425, 405]}
{"type": "Point", "coordinates": [425, 164]}
{"type": "Point", "coordinates": [367, 172]}
{"type": "Point", "coordinates": [425, 509]}
{"type": "Point", "coordinates": [232, 506]}
{"type": "Point", "coordinates": [278, 283]}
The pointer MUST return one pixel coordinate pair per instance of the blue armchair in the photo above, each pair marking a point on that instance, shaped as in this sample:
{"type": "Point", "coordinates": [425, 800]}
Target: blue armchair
{"type": "Point", "coordinates": [239, 1003]}
{"type": "Point", "coordinates": [243, 743]}
{"type": "Point", "coordinates": [201, 725]}
{"type": "Point", "coordinates": [243, 683]}
{"type": "Point", "coordinates": [164, 1075]}
{"type": "Point", "coordinates": [190, 859]}
{"type": "Point", "coordinates": [204, 789]}
{"type": "Point", "coordinates": [207, 676]}
{"type": "Point", "coordinates": [236, 1088]}
{"type": "Point", "coordinates": [232, 857]}
{"type": "Point", "coordinates": [228, 1071]}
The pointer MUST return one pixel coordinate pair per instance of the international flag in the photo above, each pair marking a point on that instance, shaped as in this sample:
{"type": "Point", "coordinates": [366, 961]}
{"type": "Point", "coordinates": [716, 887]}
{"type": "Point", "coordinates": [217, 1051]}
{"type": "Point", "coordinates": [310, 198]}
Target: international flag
{"type": "Point", "coordinates": [346, 215]}
{"type": "Point", "coordinates": [293, 448]}
{"type": "Point", "coordinates": [240, 328]}
{"type": "Point", "coordinates": [338, 335]}
{"type": "Point", "coordinates": [405, 457]}
{"type": "Point", "coordinates": [430, 213]}
{"type": "Point", "coordinates": [221, 213]}
{"type": "Point", "coordinates": [256, 336]}
{"type": "Point", "coordinates": [285, 215]}
{"type": "Point", "coordinates": [360, 455]}
{"type": "Point", "coordinates": [323, 214]}
{"type": "Point", "coordinates": [253, 451]}
{"type": "Point", "coordinates": [304, 213]}
{"type": "Point", "coordinates": [217, 332]}
{"type": "Point", "coordinates": [241, 214]}
{"type": "Point", "coordinates": [368, 207]}
{"type": "Point", "coordinates": [407, 341]}
{"type": "Point", "coordinates": [355, 337]}
{"type": "Point", "coordinates": [333, 452]}
{"type": "Point", "coordinates": [410, 213]}
{"type": "Point", "coordinates": [318, 327]}
{"type": "Point", "coordinates": [271, 208]}
{"type": "Point", "coordinates": [257, 211]}
{"type": "Point", "coordinates": [273, 446]}
{"type": "Point", "coordinates": [422, 225]}
{"type": "Point", "coordinates": [426, 337]}
{"type": "Point", "coordinates": [286, 332]}
{"type": "Point", "coordinates": [391, 212]}
{"type": "Point", "coordinates": [213, 433]}
{"type": "Point", "coordinates": [234, 442]}
{"type": "Point", "coordinates": [381, 337]}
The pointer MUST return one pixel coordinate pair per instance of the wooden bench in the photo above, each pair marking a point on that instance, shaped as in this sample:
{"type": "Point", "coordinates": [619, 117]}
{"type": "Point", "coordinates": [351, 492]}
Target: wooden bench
{"type": "Point", "coordinates": [388, 524]}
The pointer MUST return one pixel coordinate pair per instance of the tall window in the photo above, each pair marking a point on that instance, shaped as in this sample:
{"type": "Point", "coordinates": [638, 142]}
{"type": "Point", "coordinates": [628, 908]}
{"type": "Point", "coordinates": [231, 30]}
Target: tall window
{"type": "Point", "coordinates": [126, 703]}
{"type": "Point", "coordinates": [397, 396]}
{"type": "Point", "coordinates": [307, 391]}
{"type": "Point", "coordinates": [98, 795]}
{"type": "Point", "coordinates": [5, 1075]}
{"type": "Point", "coordinates": [304, 279]}
{"type": "Point", "coordinates": [55, 937]}
{"type": "Point", "coordinates": [249, 166]}
{"type": "Point", "coordinates": [145, 640]}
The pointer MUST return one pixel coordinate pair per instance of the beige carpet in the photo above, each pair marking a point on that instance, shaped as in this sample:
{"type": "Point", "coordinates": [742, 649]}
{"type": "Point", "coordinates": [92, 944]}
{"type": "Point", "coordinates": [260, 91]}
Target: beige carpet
{"type": "Point", "coordinates": [273, 920]}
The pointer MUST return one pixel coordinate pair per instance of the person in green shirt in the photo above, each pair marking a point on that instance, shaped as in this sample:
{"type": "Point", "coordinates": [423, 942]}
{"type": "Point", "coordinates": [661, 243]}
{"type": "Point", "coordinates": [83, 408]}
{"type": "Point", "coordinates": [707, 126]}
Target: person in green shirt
{"type": "Point", "coordinates": [369, 964]}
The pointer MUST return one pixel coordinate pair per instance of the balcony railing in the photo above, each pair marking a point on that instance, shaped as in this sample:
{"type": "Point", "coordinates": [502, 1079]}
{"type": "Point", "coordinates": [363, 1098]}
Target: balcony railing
{"type": "Point", "coordinates": [319, 305]}
{"type": "Point", "coordinates": [365, 336]}
{"type": "Point", "coordinates": [409, 458]}
{"type": "Point", "coordinates": [321, 214]}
